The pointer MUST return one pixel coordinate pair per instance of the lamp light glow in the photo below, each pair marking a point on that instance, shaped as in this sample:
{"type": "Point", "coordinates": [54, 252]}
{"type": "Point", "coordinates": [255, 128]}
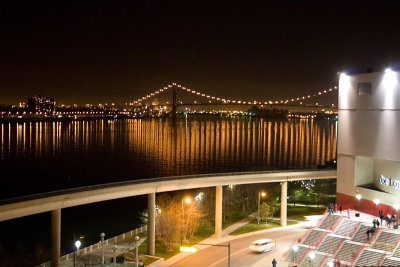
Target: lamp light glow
{"type": "Point", "coordinates": [376, 201]}
{"type": "Point", "coordinates": [396, 206]}
{"type": "Point", "coordinates": [187, 249]}
{"type": "Point", "coordinates": [77, 244]}
{"type": "Point", "coordinates": [358, 196]}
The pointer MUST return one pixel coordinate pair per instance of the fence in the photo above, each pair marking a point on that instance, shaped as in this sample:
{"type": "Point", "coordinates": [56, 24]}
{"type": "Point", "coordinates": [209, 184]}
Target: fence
{"type": "Point", "coordinates": [97, 246]}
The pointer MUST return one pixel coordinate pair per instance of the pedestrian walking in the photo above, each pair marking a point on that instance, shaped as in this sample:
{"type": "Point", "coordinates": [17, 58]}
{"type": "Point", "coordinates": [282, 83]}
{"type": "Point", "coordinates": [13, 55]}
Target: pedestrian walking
{"type": "Point", "coordinates": [274, 262]}
{"type": "Point", "coordinates": [348, 213]}
{"type": "Point", "coordinates": [340, 208]}
{"type": "Point", "coordinates": [387, 219]}
{"type": "Point", "coordinates": [330, 208]}
{"type": "Point", "coordinates": [335, 207]}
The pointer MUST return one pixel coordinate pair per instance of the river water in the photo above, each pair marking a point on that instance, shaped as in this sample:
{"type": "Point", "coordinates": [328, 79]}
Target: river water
{"type": "Point", "coordinates": [37, 157]}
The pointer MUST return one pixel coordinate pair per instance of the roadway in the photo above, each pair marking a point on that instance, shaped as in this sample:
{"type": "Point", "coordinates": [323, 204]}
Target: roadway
{"type": "Point", "coordinates": [241, 255]}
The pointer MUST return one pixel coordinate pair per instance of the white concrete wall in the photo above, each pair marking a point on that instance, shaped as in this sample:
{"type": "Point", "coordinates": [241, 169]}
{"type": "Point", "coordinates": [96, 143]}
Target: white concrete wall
{"type": "Point", "coordinates": [385, 91]}
{"type": "Point", "coordinates": [364, 170]}
{"type": "Point", "coordinates": [368, 132]}
{"type": "Point", "coordinates": [346, 174]}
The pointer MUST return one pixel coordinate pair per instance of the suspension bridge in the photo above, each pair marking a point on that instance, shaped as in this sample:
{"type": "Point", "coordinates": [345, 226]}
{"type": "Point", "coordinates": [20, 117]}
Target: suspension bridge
{"type": "Point", "coordinates": [202, 98]}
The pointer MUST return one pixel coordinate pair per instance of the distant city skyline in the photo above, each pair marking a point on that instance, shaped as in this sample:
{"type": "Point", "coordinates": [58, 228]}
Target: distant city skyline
{"type": "Point", "coordinates": [101, 52]}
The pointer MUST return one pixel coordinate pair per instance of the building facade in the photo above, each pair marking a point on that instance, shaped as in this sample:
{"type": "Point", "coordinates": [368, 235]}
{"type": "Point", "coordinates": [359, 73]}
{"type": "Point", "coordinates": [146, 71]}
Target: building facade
{"type": "Point", "coordinates": [38, 104]}
{"type": "Point", "coordinates": [368, 141]}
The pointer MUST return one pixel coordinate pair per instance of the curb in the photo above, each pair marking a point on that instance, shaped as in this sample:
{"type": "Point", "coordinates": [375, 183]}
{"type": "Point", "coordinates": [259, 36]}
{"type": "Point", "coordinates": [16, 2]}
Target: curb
{"type": "Point", "coordinates": [157, 262]}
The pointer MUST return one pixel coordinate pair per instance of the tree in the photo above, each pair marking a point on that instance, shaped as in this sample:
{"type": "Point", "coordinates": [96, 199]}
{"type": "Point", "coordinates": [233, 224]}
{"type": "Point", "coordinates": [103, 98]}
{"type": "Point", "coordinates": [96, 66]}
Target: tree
{"type": "Point", "coordinates": [191, 219]}
{"type": "Point", "coordinates": [175, 219]}
{"type": "Point", "coordinates": [168, 221]}
{"type": "Point", "coordinates": [264, 212]}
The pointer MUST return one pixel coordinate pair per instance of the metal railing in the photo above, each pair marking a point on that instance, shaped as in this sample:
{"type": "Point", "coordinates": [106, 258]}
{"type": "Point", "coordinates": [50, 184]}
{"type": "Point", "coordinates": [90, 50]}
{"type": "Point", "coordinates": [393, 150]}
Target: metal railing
{"type": "Point", "coordinates": [97, 246]}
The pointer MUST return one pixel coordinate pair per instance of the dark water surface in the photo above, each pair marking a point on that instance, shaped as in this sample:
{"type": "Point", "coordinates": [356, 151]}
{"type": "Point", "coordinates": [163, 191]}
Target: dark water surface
{"type": "Point", "coordinates": [38, 157]}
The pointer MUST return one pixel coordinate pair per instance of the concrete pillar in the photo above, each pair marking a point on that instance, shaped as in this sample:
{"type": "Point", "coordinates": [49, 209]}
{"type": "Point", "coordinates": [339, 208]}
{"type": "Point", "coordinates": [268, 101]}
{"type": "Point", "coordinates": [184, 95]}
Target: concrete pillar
{"type": "Point", "coordinates": [218, 212]}
{"type": "Point", "coordinates": [55, 238]}
{"type": "Point", "coordinates": [284, 203]}
{"type": "Point", "coordinates": [151, 224]}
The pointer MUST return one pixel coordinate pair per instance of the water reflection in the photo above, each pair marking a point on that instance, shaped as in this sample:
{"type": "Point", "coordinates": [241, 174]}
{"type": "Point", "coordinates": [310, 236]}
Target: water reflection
{"type": "Point", "coordinates": [68, 154]}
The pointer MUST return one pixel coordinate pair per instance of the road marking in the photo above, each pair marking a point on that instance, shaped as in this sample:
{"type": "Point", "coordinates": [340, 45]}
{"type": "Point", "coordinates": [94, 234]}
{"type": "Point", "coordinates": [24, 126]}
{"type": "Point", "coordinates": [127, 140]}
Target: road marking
{"type": "Point", "coordinates": [226, 257]}
{"type": "Point", "coordinates": [240, 251]}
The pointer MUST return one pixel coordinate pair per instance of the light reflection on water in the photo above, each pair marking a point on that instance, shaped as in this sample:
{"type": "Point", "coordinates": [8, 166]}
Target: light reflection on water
{"type": "Point", "coordinates": [42, 156]}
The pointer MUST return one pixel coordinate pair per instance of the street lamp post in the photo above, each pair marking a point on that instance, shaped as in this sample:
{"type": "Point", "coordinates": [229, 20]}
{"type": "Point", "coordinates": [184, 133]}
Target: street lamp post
{"type": "Point", "coordinates": [77, 245]}
{"type": "Point", "coordinates": [187, 200]}
{"type": "Point", "coordinates": [102, 235]}
{"type": "Point", "coordinates": [137, 250]}
{"type": "Point", "coordinates": [358, 196]}
{"type": "Point", "coordinates": [115, 255]}
{"type": "Point", "coordinates": [260, 194]}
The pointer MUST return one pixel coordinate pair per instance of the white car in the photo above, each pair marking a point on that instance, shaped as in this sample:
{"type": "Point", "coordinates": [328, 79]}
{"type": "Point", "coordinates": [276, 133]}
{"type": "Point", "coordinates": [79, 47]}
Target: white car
{"type": "Point", "coordinates": [262, 245]}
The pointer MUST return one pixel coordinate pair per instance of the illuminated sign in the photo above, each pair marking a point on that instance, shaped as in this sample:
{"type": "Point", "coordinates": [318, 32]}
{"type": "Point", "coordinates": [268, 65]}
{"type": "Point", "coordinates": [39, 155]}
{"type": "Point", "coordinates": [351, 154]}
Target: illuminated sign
{"type": "Point", "coordinates": [389, 182]}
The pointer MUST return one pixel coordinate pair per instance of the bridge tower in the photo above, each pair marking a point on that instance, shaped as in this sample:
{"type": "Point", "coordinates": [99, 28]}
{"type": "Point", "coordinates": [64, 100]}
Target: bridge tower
{"type": "Point", "coordinates": [173, 101]}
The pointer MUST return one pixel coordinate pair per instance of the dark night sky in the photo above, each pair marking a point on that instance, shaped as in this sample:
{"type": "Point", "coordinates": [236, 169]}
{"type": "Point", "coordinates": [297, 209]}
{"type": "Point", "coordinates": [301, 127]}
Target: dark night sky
{"type": "Point", "coordinates": [96, 51]}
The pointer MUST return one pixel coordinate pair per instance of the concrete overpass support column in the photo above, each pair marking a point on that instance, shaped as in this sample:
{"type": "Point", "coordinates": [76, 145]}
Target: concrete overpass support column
{"type": "Point", "coordinates": [218, 212]}
{"type": "Point", "coordinates": [284, 203]}
{"type": "Point", "coordinates": [55, 238]}
{"type": "Point", "coordinates": [151, 224]}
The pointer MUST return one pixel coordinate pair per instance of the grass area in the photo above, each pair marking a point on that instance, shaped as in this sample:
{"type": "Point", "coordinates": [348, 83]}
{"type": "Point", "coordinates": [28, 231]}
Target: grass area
{"type": "Point", "coordinates": [298, 213]}
{"type": "Point", "coordinates": [294, 213]}
{"type": "Point", "coordinates": [161, 250]}
{"type": "Point", "coordinates": [236, 216]}
{"type": "Point", "coordinates": [252, 226]}
{"type": "Point", "coordinates": [147, 260]}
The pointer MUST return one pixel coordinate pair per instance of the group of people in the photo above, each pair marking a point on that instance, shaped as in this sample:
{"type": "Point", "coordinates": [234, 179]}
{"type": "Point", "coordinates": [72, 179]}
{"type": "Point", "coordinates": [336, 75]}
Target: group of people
{"type": "Point", "coordinates": [334, 208]}
{"type": "Point", "coordinates": [391, 220]}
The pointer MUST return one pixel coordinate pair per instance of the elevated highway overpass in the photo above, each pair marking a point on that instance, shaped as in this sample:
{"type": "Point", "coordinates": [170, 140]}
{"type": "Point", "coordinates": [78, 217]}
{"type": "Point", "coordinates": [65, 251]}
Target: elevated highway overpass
{"type": "Point", "coordinates": [55, 201]}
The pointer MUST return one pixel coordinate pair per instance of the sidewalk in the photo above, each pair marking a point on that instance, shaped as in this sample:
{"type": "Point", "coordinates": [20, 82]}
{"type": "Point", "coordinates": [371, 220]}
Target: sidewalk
{"type": "Point", "coordinates": [226, 238]}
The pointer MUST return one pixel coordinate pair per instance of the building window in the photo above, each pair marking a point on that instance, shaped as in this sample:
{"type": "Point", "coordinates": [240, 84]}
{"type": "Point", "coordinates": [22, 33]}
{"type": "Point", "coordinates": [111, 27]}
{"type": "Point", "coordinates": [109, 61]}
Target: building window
{"type": "Point", "coordinates": [364, 89]}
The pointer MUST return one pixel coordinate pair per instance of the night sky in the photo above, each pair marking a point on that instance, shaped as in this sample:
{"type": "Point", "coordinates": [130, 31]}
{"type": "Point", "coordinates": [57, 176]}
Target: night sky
{"type": "Point", "coordinates": [116, 51]}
